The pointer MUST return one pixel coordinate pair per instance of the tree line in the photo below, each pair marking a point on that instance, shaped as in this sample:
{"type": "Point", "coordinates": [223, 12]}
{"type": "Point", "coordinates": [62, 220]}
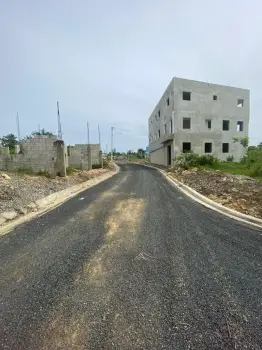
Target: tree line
{"type": "Point", "coordinates": [10, 140]}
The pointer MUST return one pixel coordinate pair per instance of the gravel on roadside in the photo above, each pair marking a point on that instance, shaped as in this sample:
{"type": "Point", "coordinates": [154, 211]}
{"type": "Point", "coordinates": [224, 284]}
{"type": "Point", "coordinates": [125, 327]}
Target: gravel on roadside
{"type": "Point", "coordinates": [238, 192]}
{"type": "Point", "coordinates": [19, 190]}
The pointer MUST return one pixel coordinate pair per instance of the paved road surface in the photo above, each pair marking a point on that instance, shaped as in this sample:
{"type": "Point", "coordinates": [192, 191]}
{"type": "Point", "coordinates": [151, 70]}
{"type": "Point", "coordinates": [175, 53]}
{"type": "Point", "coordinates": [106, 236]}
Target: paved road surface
{"type": "Point", "coordinates": [131, 264]}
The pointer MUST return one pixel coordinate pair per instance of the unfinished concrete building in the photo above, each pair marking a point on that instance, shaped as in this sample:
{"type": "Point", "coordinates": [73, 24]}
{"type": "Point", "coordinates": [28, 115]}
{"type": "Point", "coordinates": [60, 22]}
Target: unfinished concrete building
{"type": "Point", "coordinates": [199, 117]}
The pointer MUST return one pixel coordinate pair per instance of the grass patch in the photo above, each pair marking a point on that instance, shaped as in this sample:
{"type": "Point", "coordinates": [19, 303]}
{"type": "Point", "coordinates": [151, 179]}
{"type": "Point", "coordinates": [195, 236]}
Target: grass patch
{"type": "Point", "coordinates": [250, 165]}
{"type": "Point", "coordinates": [96, 166]}
{"type": "Point", "coordinates": [132, 158]}
{"type": "Point", "coordinates": [232, 168]}
{"type": "Point", "coordinates": [70, 170]}
{"type": "Point", "coordinates": [43, 173]}
{"type": "Point", "coordinates": [26, 171]}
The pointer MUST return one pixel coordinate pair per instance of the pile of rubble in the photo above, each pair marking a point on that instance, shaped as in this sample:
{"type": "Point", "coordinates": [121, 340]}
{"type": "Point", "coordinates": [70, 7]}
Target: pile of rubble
{"type": "Point", "coordinates": [18, 191]}
{"type": "Point", "coordinates": [238, 192]}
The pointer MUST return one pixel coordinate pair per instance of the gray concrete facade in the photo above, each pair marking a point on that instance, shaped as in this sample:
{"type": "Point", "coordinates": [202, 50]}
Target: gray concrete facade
{"type": "Point", "coordinates": [203, 116]}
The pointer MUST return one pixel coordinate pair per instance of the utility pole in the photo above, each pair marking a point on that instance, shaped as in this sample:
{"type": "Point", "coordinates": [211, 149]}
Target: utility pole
{"type": "Point", "coordinates": [18, 127]}
{"type": "Point", "coordinates": [112, 134]}
{"type": "Point", "coordinates": [99, 138]}
{"type": "Point", "coordinates": [87, 130]}
{"type": "Point", "coordinates": [59, 134]}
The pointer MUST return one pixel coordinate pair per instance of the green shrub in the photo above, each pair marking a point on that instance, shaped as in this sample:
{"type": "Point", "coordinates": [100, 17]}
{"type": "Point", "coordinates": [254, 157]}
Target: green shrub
{"type": "Point", "coordinates": [256, 169]}
{"type": "Point", "coordinates": [207, 160]}
{"type": "Point", "coordinates": [188, 160]}
{"type": "Point", "coordinates": [70, 170]}
{"type": "Point", "coordinates": [253, 157]}
{"type": "Point", "coordinates": [106, 163]}
{"type": "Point", "coordinates": [23, 170]}
{"type": "Point", "coordinates": [230, 158]}
{"type": "Point", "coordinates": [43, 173]}
{"type": "Point", "coordinates": [96, 166]}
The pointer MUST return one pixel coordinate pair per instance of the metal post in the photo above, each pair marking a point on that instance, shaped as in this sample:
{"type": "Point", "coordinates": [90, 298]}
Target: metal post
{"type": "Point", "coordinates": [59, 134]}
{"type": "Point", "coordinates": [18, 127]}
{"type": "Point", "coordinates": [112, 133]}
{"type": "Point", "coordinates": [87, 129]}
{"type": "Point", "coordinates": [89, 153]}
{"type": "Point", "coordinates": [99, 138]}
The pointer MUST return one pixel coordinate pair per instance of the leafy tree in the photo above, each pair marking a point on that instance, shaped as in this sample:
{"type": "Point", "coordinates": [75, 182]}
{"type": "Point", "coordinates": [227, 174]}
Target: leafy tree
{"type": "Point", "coordinates": [10, 141]}
{"type": "Point", "coordinates": [42, 132]}
{"type": "Point", "coordinates": [141, 153]}
{"type": "Point", "coordinates": [242, 140]}
{"type": "Point", "coordinates": [38, 133]}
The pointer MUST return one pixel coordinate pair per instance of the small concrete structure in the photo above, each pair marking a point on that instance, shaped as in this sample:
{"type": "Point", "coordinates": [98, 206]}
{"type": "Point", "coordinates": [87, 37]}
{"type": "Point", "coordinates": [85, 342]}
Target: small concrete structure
{"type": "Point", "coordinates": [83, 156]}
{"type": "Point", "coordinates": [199, 117]}
{"type": "Point", "coordinates": [38, 154]}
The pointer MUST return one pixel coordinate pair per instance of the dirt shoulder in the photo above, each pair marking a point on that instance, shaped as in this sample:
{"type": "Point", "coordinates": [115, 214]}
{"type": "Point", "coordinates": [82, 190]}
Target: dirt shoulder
{"type": "Point", "coordinates": [17, 191]}
{"type": "Point", "coordinates": [238, 192]}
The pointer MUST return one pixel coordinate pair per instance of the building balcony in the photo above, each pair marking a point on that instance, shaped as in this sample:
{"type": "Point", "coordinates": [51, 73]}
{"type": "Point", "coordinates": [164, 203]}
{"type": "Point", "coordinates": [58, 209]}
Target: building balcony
{"type": "Point", "coordinates": [167, 138]}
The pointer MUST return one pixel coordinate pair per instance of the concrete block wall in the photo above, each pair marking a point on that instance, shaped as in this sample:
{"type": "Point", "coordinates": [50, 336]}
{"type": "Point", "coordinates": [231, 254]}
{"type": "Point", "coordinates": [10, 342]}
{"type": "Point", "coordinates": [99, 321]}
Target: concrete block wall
{"type": "Point", "coordinates": [78, 155]}
{"type": "Point", "coordinates": [41, 153]}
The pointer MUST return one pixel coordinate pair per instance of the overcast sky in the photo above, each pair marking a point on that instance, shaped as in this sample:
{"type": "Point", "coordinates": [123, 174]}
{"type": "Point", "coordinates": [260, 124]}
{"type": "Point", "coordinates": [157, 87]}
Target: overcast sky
{"type": "Point", "coordinates": [109, 61]}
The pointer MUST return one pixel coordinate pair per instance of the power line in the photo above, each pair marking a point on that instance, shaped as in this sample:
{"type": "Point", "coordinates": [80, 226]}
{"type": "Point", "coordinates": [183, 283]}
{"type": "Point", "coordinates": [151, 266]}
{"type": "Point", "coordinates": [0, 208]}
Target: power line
{"type": "Point", "coordinates": [122, 129]}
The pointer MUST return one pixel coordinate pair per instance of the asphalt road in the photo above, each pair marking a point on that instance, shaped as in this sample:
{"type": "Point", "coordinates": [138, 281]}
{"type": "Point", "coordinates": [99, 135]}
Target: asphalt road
{"type": "Point", "coordinates": [131, 264]}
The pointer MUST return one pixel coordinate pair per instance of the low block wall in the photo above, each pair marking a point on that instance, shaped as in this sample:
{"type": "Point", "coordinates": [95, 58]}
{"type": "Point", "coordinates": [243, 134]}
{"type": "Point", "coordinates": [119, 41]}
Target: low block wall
{"type": "Point", "coordinates": [41, 153]}
{"type": "Point", "coordinates": [78, 155]}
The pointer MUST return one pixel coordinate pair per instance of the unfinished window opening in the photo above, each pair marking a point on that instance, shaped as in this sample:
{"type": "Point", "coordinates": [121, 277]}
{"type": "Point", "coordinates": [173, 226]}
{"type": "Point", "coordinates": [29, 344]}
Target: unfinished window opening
{"type": "Point", "coordinates": [186, 147]}
{"type": "Point", "coordinates": [186, 123]}
{"type": "Point", "coordinates": [167, 102]}
{"type": "Point", "coordinates": [225, 147]}
{"type": "Point", "coordinates": [225, 125]}
{"type": "Point", "coordinates": [158, 133]}
{"type": "Point", "coordinates": [186, 96]}
{"type": "Point", "coordinates": [208, 147]}
{"type": "Point", "coordinates": [214, 97]}
{"type": "Point", "coordinates": [159, 114]}
{"type": "Point", "coordinates": [240, 126]}
{"type": "Point", "coordinates": [240, 102]}
{"type": "Point", "coordinates": [208, 123]}
{"type": "Point", "coordinates": [165, 128]}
